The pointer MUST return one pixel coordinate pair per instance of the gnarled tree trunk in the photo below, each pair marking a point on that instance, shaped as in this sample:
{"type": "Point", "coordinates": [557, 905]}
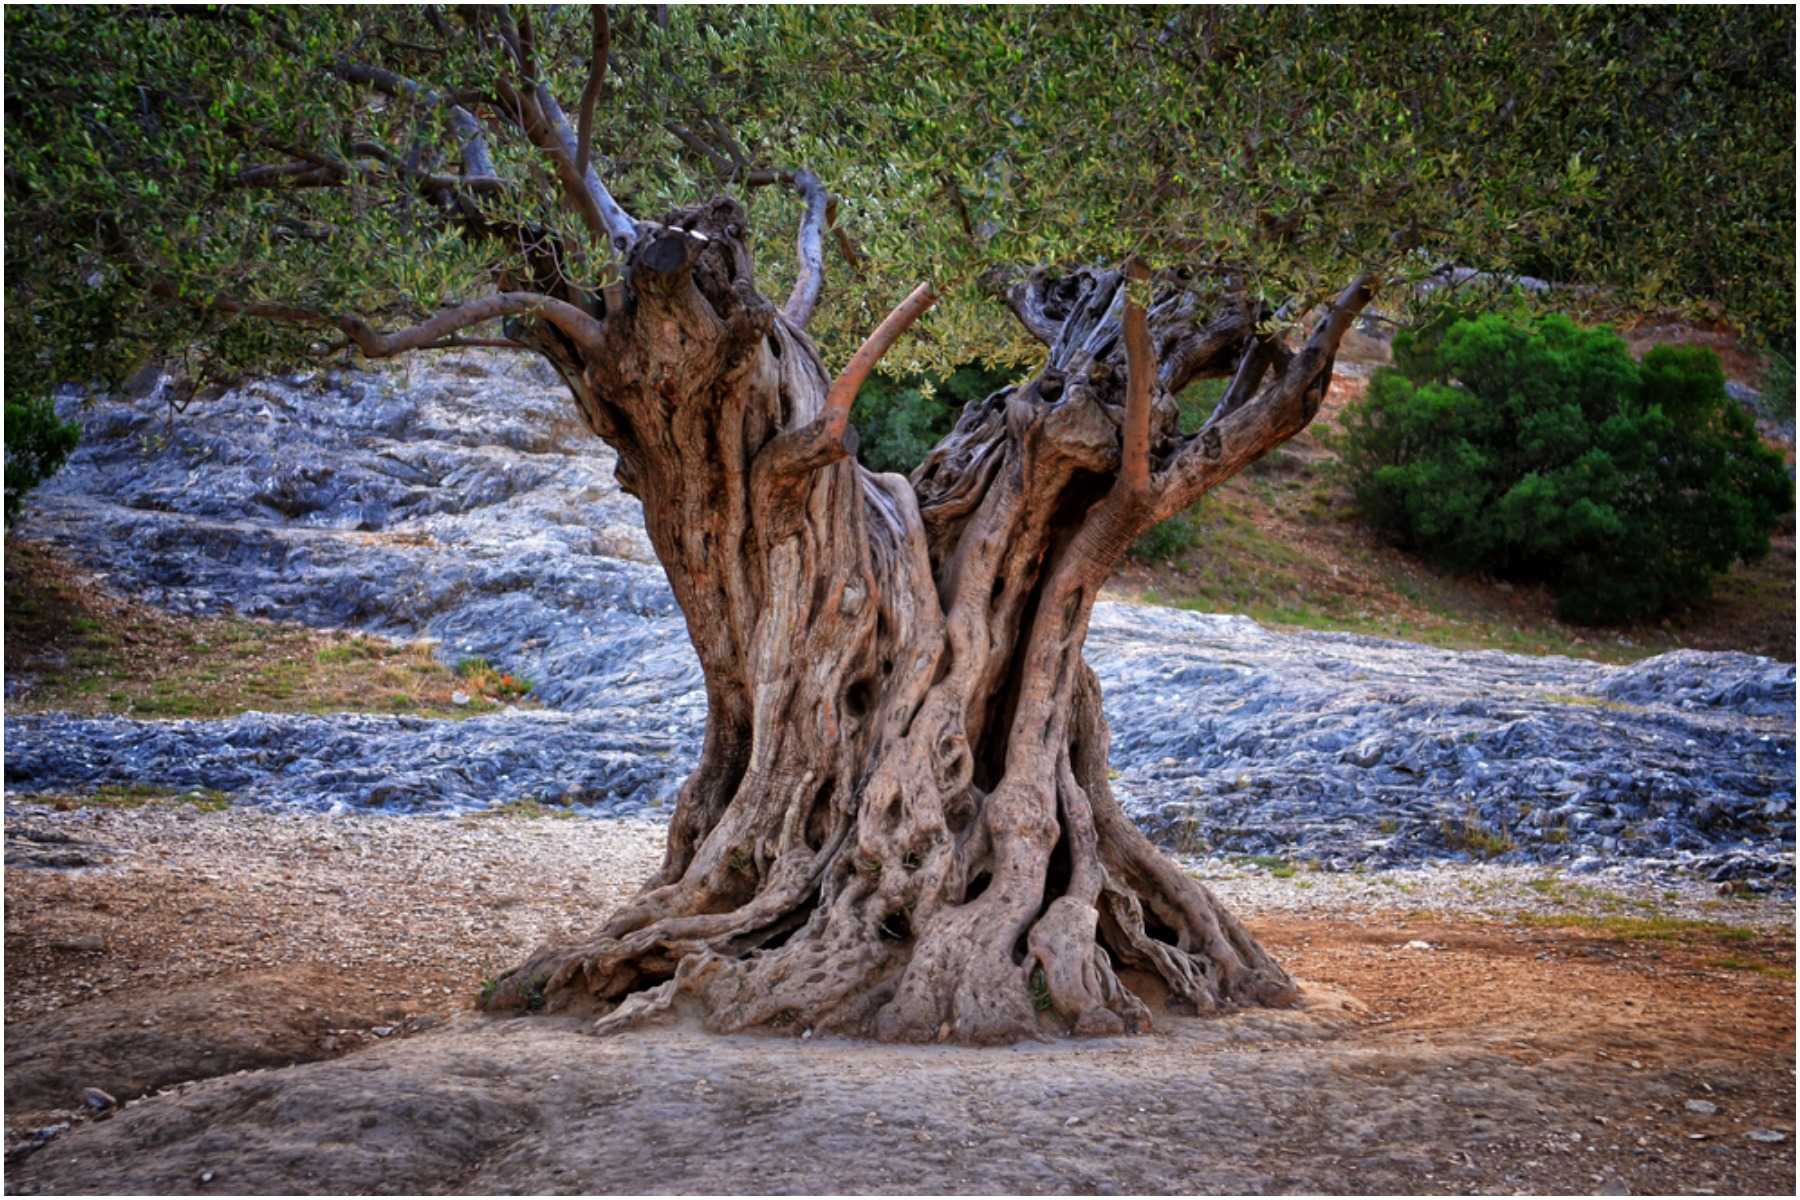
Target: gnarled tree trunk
{"type": "Point", "coordinates": [901, 824]}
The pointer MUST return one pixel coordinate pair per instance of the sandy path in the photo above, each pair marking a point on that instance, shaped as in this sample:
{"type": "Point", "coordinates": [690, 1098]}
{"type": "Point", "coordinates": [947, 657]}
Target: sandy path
{"type": "Point", "coordinates": [1506, 1057]}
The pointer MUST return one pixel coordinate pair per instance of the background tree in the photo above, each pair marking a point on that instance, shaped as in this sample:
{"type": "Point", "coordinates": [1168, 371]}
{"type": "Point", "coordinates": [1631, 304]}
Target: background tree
{"type": "Point", "coordinates": [1541, 450]}
{"type": "Point", "coordinates": [901, 822]}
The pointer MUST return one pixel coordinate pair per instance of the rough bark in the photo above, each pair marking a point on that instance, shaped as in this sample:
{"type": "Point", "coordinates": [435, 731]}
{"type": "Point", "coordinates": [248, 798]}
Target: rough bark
{"type": "Point", "coordinates": [901, 824]}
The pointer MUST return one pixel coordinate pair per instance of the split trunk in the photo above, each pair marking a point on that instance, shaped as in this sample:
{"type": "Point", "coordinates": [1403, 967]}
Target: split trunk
{"type": "Point", "coordinates": [901, 824]}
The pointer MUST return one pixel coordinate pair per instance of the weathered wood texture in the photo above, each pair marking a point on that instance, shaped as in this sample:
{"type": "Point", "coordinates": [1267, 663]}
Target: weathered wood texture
{"type": "Point", "coordinates": [901, 824]}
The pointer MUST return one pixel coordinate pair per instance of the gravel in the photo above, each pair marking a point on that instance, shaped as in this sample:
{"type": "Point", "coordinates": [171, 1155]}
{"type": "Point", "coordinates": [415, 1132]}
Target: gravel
{"type": "Point", "coordinates": [447, 900]}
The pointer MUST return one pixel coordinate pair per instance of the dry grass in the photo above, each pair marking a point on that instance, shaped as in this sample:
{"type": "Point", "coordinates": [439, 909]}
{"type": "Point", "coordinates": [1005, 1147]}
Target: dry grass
{"type": "Point", "coordinates": [72, 647]}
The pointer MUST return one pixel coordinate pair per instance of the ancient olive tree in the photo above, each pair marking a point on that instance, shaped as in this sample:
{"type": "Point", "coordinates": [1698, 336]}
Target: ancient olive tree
{"type": "Point", "coordinates": [901, 822]}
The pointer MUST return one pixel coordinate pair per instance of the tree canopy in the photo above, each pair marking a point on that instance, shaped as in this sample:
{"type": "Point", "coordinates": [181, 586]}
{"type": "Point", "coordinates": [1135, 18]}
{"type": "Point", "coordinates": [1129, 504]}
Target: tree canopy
{"type": "Point", "coordinates": [169, 170]}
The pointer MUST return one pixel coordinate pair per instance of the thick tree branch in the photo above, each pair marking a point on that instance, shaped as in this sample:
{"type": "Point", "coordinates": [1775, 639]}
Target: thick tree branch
{"type": "Point", "coordinates": [1034, 301]}
{"type": "Point", "coordinates": [536, 109]}
{"type": "Point", "coordinates": [300, 174]}
{"type": "Point", "coordinates": [314, 174]}
{"type": "Point", "coordinates": [548, 128]}
{"type": "Point", "coordinates": [527, 45]}
{"type": "Point", "coordinates": [1140, 360]}
{"type": "Point", "coordinates": [463, 343]}
{"type": "Point", "coordinates": [809, 247]}
{"type": "Point", "coordinates": [849, 381]}
{"type": "Point", "coordinates": [763, 178]}
{"type": "Point", "coordinates": [590, 95]}
{"type": "Point", "coordinates": [1250, 427]}
{"type": "Point", "coordinates": [431, 333]}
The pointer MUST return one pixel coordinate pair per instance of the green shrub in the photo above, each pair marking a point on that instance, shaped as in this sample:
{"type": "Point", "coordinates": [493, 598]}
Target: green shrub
{"type": "Point", "coordinates": [1541, 450]}
{"type": "Point", "coordinates": [37, 442]}
{"type": "Point", "coordinates": [898, 421]}
{"type": "Point", "coordinates": [1166, 540]}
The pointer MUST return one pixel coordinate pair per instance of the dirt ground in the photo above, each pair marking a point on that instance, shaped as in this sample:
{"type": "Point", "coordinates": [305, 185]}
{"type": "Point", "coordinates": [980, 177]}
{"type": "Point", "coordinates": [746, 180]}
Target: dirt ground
{"type": "Point", "coordinates": [1436, 1052]}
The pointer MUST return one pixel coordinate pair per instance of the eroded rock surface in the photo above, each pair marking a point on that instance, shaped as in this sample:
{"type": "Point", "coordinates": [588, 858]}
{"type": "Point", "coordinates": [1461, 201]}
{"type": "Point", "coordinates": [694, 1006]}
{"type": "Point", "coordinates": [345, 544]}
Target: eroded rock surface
{"type": "Point", "coordinates": [460, 501]}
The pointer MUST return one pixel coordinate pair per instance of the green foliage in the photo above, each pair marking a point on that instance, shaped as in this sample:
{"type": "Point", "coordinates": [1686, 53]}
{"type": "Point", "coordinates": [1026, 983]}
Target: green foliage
{"type": "Point", "coordinates": [900, 420]}
{"type": "Point", "coordinates": [37, 442]}
{"type": "Point", "coordinates": [1166, 540]}
{"type": "Point", "coordinates": [1286, 148]}
{"type": "Point", "coordinates": [1541, 450]}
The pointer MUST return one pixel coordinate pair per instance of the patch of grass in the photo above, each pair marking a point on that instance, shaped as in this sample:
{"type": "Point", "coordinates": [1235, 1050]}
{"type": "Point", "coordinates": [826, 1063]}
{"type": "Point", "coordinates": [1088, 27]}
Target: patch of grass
{"type": "Point", "coordinates": [1566, 894]}
{"type": "Point", "coordinates": [134, 795]}
{"type": "Point", "coordinates": [1652, 928]}
{"type": "Point", "coordinates": [530, 808]}
{"type": "Point", "coordinates": [1472, 837]}
{"type": "Point", "coordinates": [351, 651]}
{"type": "Point", "coordinates": [487, 680]}
{"type": "Point", "coordinates": [1274, 864]}
{"type": "Point", "coordinates": [76, 648]}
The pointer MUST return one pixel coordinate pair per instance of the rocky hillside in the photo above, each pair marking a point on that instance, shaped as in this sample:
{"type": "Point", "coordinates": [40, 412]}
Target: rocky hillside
{"type": "Point", "coordinates": [458, 501]}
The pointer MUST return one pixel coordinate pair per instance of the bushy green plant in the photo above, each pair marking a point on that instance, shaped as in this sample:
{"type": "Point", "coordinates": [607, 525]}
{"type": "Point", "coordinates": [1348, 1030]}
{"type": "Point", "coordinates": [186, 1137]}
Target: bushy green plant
{"type": "Point", "coordinates": [1541, 450]}
{"type": "Point", "coordinates": [899, 420]}
{"type": "Point", "coordinates": [1166, 540]}
{"type": "Point", "coordinates": [37, 442]}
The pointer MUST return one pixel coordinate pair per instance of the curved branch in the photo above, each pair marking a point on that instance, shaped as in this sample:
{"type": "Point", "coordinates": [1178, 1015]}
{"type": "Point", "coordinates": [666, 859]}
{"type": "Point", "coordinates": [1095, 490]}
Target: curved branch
{"type": "Point", "coordinates": [844, 244]}
{"type": "Point", "coordinates": [849, 382]}
{"type": "Point", "coordinates": [1032, 302]}
{"type": "Point", "coordinates": [298, 174]}
{"type": "Point", "coordinates": [463, 343]}
{"type": "Point", "coordinates": [526, 45]}
{"type": "Point", "coordinates": [809, 247]}
{"type": "Point", "coordinates": [687, 137]}
{"type": "Point", "coordinates": [315, 174]}
{"type": "Point", "coordinates": [431, 333]}
{"type": "Point", "coordinates": [582, 183]}
{"type": "Point", "coordinates": [821, 441]}
{"type": "Point", "coordinates": [590, 95]}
